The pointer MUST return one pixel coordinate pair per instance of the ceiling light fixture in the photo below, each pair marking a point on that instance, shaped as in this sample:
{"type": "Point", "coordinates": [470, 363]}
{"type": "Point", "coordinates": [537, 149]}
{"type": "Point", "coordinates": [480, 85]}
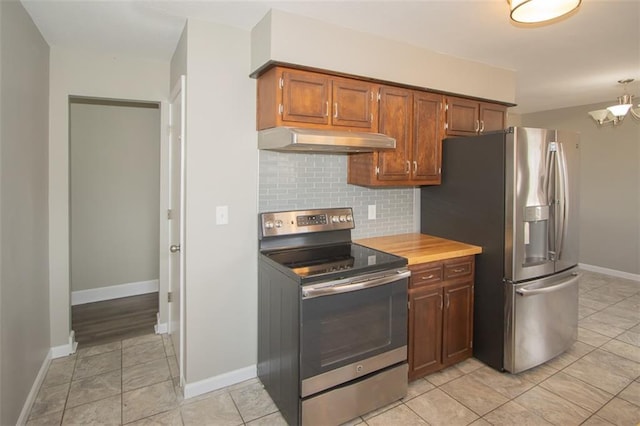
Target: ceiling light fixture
{"type": "Point", "coordinates": [534, 11]}
{"type": "Point", "coordinates": [615, 113]}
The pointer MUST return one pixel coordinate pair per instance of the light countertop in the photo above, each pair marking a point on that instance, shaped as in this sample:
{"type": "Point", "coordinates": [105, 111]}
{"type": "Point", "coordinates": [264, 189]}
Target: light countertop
{"type": "Point", "coordinates": [420, 248]}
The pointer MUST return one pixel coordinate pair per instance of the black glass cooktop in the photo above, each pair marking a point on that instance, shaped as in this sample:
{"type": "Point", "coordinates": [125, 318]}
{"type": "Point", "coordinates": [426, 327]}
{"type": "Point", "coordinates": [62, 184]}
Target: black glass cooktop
{"type": "Point", "coordinates": [345, 260]}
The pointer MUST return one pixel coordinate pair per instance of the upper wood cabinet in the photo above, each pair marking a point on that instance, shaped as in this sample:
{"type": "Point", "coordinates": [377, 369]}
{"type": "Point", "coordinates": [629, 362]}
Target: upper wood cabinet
{"type": "Point", "coordinates": [428, 132]}
{"type": "Point", "coordinates": [415, 120]}
{"type": "Point", "coordinates": [395, 121]}
{"type": "Point", "coordinates": [466, 117]}
{"type": "Point", "coordinates": [289, 97]}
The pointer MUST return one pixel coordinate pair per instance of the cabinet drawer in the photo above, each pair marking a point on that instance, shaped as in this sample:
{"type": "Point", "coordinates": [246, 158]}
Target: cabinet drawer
{"type": "Point", "coordinates": [457, 269]}
{"type": "Point", "coordinates": [426, 275]}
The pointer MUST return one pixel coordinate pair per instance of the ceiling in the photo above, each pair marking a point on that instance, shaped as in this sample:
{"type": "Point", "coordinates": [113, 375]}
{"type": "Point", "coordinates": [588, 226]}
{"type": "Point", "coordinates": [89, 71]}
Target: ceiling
{"type": "Point", "coordinates": [574, 61]}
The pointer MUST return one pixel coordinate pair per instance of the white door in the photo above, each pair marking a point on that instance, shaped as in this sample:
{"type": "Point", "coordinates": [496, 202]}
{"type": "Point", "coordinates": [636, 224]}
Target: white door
{"type": "Point", "coordinates": [176, 227]}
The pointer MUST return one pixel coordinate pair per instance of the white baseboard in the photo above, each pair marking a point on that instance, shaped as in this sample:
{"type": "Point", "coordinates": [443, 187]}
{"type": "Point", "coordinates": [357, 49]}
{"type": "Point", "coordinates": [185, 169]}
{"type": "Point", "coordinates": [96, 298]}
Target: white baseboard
{"type": "Point", "coordinates": [219, 382]}
{"type": "Point", "coordinates": [160, 327]}
{"type": "Point", "coordinates": [33, 393]}
{"type": "Point", "coordinates": [64, 350]}
{"type": "Point", "coordinates": [612, 272]}
{"type": "Point", "coordinates": [81, 297]}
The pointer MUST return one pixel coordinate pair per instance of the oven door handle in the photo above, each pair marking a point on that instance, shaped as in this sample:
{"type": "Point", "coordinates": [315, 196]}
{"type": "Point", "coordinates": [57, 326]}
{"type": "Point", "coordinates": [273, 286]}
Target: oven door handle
{"type": "Point", "coordinates": [327, 289]}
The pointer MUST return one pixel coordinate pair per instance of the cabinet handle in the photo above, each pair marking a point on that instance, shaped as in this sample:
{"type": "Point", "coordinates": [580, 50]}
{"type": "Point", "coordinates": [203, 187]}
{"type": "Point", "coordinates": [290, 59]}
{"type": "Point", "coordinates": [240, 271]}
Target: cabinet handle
{"type": "Point", "coordinates": [477, 128]}
{"type": "Point", "coordinates": [481, 126]}
{"type": "Point", "coordinates": [335, 110]}
{"type": "Point", "coordinates": [447, 301]}
{"type": "Point", "coordinates": [408, 168]}
{"type": "Point", "coordinates": [326, 113]}
{"type": "Point", "coordinates": [440, 301]}
{"type": "Point", "coordinates": [458, 270]}
{"type": "Point", "coordinates": [415, 167]}
{"type": "Point", "coordinates": [428, 277]}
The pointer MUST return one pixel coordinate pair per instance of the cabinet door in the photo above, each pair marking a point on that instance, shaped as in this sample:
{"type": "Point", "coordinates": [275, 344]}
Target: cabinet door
{"type": "Point", "coordinates": [354, 105]}
{"type": "Point", "coordinates": [492, 117]}
{"type": "Point", "coordinates": [395, 121]}
{"type": "Point", "coordinates": [425, 331]}
{"type": "Point", "coordinates": [457, 323]}
{"type": "Point", "coordinates": [427, 137]}
{"type": "Point", "coordinates": [462, 117]}
{"type": "Point", "coordinates": [305, 97]}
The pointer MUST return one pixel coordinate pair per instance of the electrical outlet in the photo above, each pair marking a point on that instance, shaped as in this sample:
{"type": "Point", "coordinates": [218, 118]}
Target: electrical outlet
{"type": "Point", "coordinates": [372, 211]}
{"type": "Point", "coordinates": [222, 215]}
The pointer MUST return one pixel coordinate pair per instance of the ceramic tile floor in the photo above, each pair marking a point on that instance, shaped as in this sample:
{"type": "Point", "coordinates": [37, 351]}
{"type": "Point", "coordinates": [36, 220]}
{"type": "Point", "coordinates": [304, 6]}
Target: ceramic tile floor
{"type": "Point", "coordinates": [596, 382]}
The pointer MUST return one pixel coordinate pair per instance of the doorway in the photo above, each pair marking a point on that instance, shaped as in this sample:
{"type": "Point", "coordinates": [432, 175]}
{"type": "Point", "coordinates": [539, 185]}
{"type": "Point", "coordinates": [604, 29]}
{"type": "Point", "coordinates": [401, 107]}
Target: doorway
{"type": "Point", "coordinates": [114, 194]}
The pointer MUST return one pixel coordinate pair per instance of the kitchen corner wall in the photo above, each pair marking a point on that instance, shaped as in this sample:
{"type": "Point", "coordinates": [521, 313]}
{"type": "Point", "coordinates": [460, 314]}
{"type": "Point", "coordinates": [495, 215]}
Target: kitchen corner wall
{"type": "Point", "coordinates": [291, 181]}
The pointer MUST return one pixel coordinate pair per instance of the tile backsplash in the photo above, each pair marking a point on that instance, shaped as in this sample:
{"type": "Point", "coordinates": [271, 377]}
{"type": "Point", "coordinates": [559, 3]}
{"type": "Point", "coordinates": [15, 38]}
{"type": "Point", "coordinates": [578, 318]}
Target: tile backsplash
{"type": "Point", "coordinates": [291, 181]}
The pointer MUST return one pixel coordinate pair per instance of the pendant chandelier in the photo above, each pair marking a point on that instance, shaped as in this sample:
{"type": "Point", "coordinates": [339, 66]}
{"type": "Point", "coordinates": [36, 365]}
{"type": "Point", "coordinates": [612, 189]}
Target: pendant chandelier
{"type": "Point", "coordinates": [616, 113]}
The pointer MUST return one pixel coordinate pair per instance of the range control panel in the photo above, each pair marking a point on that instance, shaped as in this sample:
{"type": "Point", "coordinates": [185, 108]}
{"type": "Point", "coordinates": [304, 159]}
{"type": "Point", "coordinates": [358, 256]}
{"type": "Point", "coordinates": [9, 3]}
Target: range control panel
{"type": "Point", "coordinates": [305, 221]}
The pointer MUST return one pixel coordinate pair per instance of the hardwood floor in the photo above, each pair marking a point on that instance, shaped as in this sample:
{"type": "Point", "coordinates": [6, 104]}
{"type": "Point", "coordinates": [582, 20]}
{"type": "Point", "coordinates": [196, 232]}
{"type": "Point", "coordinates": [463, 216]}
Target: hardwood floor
{"type": "Point", "coordinates": [103, 322]}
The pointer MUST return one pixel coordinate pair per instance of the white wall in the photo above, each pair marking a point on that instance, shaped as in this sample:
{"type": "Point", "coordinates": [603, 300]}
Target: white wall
{"type": "Point", "coordinates": [115, 189]}
{"type": "Point", "coordinates": [179, 59]}
{"type": "Point", "coordinates": [609, 190]}
{"type": "Point", "coordinates": [221, 170]}
{"type": "Point", "coordinates": [24, 290]}
{"type": "Point", "coordinates": [82, 73]}
{"type": "Point", "coordinates": [289, 38]}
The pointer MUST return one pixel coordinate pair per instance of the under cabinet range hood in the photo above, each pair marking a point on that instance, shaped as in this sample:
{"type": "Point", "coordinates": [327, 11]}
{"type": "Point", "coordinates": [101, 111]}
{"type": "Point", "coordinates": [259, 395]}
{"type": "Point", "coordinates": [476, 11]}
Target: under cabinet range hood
{"type": "Point", "coordinates": [328, 141]}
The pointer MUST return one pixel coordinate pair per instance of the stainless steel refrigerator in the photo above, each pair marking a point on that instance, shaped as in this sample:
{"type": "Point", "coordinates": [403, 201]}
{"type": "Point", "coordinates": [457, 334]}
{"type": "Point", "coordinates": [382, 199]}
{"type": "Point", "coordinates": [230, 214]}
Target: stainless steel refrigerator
{"type": "Point", "coordinates": [515, 194]}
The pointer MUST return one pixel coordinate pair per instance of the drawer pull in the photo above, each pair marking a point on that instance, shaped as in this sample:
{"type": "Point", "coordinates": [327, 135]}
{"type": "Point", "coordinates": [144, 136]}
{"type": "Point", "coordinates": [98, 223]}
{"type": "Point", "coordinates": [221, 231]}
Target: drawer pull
{"type": "Point", "coordinates": [458, 270]}
{"type": "Point", "coordinates": [428, 277]}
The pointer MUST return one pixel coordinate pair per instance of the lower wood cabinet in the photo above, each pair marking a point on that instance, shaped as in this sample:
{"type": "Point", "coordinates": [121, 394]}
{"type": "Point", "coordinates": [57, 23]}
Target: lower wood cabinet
{"type": "Point", "coordinates": [440, 314]}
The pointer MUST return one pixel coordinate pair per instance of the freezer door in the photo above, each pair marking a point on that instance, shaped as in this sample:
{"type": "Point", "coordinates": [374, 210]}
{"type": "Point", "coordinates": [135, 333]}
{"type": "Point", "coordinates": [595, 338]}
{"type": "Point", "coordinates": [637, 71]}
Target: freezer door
{"type": "Point", "coordinates": [566, 200]}
{"type": "Point", "coordinates": [530, 193]}
{"type": "Point", "coordinates": [541, 320]}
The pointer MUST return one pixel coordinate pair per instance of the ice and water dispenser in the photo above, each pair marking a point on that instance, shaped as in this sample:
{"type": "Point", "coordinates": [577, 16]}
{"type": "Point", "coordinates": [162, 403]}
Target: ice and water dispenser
{"type": "Point", "coordinates": [536, 235]}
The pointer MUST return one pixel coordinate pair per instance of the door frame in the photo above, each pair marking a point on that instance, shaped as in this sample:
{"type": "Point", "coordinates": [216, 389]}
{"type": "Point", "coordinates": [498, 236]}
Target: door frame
{"type": "Point", "coordinates": [178, 90]}
{"type": "Point", "coordinates": [163, 110]}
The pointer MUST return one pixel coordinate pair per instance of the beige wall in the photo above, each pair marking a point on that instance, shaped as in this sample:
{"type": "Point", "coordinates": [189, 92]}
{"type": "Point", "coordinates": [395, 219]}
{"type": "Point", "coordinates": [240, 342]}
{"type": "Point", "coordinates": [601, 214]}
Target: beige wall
{"type": "Point", "coordinates": [609, 190]}
{"type": "Point", "coordinates": [221, 170]}
{"type": "Point", "coordinates": [321, 45]}
{"type": "Point", "coordinates": [83, 73]}
{"type": "Point", "coordinates": [24, 291]}
{"type": "Point", "coordinates": [115, 188]}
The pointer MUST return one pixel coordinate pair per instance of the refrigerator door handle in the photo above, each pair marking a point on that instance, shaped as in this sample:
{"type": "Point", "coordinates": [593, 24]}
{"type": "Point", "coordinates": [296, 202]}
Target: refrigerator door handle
{"type": "Point", "coordinates": [550, 198]}
{"type": "Point", "coordinates": [559, 286]}
{"type": "Point", "coordinates": [562, 202]}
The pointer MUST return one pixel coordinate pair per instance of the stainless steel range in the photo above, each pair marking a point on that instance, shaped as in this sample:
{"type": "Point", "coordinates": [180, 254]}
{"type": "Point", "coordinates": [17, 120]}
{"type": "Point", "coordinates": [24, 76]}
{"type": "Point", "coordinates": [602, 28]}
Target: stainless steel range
{"type": "Point", "coordinates": [332, 318]}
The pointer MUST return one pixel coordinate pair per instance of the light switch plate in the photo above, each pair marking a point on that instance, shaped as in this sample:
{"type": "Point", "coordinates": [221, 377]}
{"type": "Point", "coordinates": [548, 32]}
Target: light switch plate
{"type": "Point", "coordinates": [222, 215]}
{"type": "Point", "coordinates": [372, 211]}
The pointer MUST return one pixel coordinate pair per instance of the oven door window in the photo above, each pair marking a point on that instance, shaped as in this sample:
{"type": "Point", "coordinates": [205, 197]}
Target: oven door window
{"type": "Point", "coordinates": [340, 329]}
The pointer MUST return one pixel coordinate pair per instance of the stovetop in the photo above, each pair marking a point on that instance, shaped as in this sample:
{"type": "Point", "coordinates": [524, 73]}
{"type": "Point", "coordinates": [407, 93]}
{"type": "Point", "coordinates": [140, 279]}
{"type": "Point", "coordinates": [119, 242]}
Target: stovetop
{"type": "Point", "coordinates": [334, 261]}
{"type": "Point", "coordinates": [312, 245]}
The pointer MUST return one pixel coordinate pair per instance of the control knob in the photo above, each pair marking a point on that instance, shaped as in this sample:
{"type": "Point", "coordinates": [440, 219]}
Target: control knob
{"type": "Point", "coordinates": [343, 218]}
{"type": "Point", "coordinates": [268, 225]}
{"type": "Point", "coordinates": [278, 224]}
{"type": "Point", "coordinates": [335, 219]}
{"type": "Point", "coordinates": [349, 218]}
